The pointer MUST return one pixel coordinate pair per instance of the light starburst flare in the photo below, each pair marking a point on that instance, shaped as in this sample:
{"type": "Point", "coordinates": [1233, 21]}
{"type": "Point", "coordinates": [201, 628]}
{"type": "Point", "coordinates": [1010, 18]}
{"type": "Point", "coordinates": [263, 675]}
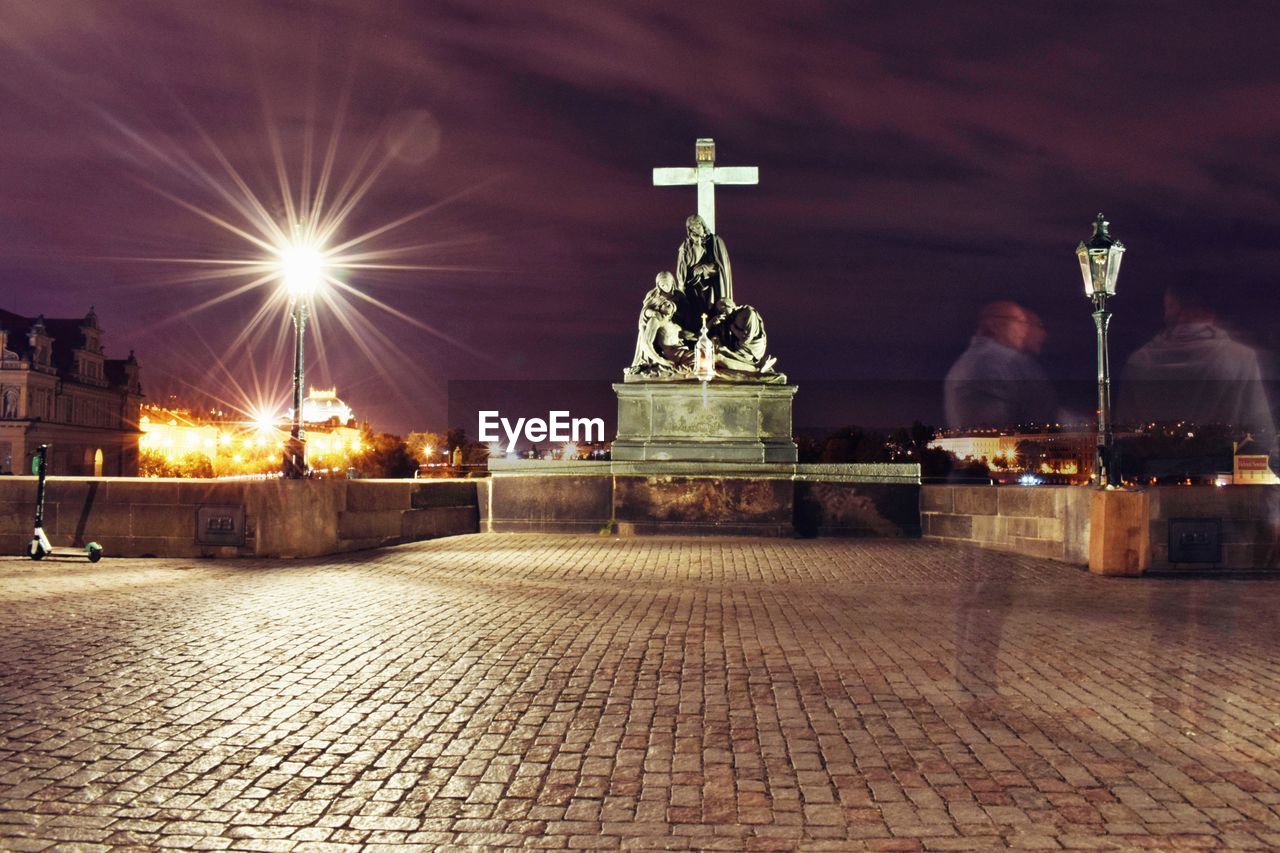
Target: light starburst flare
{"type": "Point", "coordinates": [293, 245]}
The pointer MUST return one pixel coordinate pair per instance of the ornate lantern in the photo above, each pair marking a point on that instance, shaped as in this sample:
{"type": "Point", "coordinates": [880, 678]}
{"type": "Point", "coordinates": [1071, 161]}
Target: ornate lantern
{"type": "Point", "coordinates": [1100, 260]}
{"type": "Point", "coordinates": [704, 355]}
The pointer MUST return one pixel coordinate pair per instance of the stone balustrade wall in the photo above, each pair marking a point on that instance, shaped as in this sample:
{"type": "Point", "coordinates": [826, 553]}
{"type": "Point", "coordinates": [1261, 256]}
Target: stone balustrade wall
{"type": "Point", "coordinates": [288, 518]}
{"type": "Point", "coordinates": [148, 517]}
{"type": "Point", "coordinates": [1056, 521]}
{"type": "Point", "coordinates": [1039, 521]}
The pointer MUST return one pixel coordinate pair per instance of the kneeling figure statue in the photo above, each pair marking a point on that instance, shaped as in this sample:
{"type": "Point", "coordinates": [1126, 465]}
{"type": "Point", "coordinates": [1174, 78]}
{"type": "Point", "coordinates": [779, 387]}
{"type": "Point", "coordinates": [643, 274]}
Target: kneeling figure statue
{"type": "Point", "coordinates": [741, 344]}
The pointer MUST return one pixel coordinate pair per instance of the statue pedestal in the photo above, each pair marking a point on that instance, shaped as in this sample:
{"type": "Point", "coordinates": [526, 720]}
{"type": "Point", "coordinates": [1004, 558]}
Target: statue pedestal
{"type": "Point", "coordinates": [715, 422]}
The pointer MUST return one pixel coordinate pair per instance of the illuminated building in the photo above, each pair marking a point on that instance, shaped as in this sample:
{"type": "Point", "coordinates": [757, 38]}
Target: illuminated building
{"type": "Point", "coordinates": [1251, 465]}
{"type": "Point", "coordinates": [322, 406]}
{"type": "Point", "coordinates": [1055, 454]}
{"type": "Point", "coordinates": [178, 442]}
{"type": "Point", "coordinates": [173, 435]}
{"type": "Point", "coordinates": [58, 388]}
{"type": "Point", "coordinates": [977, 444]}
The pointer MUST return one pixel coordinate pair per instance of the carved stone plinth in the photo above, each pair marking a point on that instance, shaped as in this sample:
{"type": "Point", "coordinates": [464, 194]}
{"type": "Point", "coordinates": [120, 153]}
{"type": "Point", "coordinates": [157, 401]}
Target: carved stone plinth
{"type": "Point", "coordinates": [715, 422]}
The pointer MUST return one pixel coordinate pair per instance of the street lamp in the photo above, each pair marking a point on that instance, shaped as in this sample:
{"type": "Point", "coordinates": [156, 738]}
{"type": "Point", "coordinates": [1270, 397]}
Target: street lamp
{"type": "Point", "coordinates": [1100, 267]}
{"type": "Point", "coordinates": [301, 269]}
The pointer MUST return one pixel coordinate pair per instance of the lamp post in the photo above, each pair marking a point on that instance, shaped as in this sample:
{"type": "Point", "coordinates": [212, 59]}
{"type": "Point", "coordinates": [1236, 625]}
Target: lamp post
{"type": "Point", "coordinates": [1100, 266]}
{"type": "Point", "coordinates": [302, 270]}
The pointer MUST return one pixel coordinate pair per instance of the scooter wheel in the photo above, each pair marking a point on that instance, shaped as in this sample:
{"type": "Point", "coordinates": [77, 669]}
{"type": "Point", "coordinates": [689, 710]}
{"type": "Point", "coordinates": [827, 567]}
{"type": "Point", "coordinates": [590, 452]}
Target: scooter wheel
{"type": "Point", "coordinates": [35, 550]}
{"type": "Point", "coordinates": [94, 551]}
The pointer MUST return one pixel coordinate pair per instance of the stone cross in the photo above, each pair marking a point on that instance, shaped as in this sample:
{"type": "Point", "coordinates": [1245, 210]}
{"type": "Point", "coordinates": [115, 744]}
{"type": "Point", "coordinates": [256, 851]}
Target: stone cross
{"type": "Point", "coordinates": [706, 175]}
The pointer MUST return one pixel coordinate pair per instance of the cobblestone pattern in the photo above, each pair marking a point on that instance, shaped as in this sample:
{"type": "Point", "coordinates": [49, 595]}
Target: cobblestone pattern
{"type": "Point", "coordinates": [584, 692]}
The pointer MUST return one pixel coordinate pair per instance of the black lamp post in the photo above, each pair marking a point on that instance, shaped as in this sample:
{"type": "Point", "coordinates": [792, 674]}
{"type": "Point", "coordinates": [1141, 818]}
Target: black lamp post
{"type": "Point", "coordinates": [302, 271]}
{"type": "Point", "coordinates": [1100, 267]}
{"type": "Point", "coordinates": [295, 454]}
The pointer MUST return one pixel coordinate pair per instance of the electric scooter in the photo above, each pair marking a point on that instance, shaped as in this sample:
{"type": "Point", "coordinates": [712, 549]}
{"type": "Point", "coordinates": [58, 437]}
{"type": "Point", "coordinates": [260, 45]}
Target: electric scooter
{"type": "Point", "coordinates": [40, 547]}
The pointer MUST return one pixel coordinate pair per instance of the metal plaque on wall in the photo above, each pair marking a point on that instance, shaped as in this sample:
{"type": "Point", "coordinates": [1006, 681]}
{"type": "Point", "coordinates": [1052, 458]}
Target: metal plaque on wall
{"type": "Point", "coordinates": [1195, 540]}
{"type": "Point", "coordinates": [220, 525]}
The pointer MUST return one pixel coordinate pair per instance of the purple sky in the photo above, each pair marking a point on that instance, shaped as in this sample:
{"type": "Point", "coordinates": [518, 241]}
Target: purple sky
{"type": "Point", "coordinates": [916, 161]}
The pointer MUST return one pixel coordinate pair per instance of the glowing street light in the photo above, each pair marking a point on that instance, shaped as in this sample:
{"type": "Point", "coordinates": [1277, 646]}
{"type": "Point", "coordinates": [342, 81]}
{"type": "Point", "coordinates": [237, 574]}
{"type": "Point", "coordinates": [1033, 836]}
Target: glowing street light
{"type": "Point", "coordinates": [301, 268]}
{"type": "Point", "coordinates": [1100, 266]}
{"type": "Point", "coordinates": [294, 241]}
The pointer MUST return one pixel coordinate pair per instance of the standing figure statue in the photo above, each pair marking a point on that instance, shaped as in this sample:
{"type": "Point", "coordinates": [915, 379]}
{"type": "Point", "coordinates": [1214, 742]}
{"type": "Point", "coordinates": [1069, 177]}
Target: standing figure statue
{"type": "Point", "coordinates": [9, 402]}
{"type": "Point", "coordinates": [702, 272]}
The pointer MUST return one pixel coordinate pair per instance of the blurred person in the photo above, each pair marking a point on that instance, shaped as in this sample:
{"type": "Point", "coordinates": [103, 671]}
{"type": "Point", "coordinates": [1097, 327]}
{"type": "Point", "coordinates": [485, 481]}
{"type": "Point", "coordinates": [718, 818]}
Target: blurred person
{"type": "Point", "coordinates": [982, 605]}
{"type": "Point", "coordinates": [1194, 371]}
{"type": "Point", "coordinates": [997, 382]}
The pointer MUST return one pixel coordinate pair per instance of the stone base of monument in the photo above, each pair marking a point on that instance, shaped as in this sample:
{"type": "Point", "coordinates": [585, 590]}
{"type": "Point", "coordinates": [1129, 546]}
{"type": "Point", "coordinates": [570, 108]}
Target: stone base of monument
{"type": "Point", "coordinates": [704, 422]}
{"type": "Point", "coordinates": [763, 499]}
{"type": "Point", "coordinates": [695, 458]}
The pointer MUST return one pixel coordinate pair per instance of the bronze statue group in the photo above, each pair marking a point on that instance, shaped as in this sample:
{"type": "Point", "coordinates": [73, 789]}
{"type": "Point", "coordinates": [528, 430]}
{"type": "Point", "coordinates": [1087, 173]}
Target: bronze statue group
{"type": "Point", "coordinates": [697, 300]}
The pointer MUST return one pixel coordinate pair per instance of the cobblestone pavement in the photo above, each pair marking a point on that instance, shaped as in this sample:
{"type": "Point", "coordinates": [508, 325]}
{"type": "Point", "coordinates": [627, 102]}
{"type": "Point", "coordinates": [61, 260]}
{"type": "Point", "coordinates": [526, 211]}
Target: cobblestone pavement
{"type": "Point", "coordinates": [505, 691]}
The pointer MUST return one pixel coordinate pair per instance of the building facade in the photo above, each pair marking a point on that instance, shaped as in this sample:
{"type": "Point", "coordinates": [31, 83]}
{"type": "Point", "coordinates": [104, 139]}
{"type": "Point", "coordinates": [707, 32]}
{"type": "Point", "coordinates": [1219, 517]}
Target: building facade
{"type": "Point", "coordinates": [1063, 456]}
{"type": "Point", "coordinates": [322, 406]}
{"type": "Point", "coordinates": [180, 441]}
{"type": "Point", "coordinates": [58, 388]}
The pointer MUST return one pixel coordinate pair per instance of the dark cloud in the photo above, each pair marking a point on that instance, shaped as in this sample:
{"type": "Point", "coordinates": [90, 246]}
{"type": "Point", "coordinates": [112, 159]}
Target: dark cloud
{"type": "Point", "coordinates": [917, 160]}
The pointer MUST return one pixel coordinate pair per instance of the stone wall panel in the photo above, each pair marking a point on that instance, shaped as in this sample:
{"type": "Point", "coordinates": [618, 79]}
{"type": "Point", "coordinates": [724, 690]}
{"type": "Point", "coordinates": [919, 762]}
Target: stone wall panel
{"type": "Point", "coordinates": [975, 500]}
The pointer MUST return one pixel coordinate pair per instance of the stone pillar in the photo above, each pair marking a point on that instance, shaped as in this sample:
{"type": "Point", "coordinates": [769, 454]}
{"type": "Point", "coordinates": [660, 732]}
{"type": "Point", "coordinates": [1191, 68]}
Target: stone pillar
{"type": "Point", "coordinates": [1119, 533]}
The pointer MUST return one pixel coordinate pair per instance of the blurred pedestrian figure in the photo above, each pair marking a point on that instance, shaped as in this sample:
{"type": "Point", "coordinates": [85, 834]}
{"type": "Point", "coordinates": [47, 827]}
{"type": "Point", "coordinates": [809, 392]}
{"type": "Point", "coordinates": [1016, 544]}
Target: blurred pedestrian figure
{"type": "Point", "coordinates": [1194, 371]}
{"type": "Point", "coordinates": [997, 382]}
{"type": "Point", "coordinates": [983, 603]}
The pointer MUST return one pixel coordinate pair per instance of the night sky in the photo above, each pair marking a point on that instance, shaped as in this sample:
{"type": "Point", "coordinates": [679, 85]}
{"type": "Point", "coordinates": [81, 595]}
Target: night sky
{"type": "Point", "coordinates": [917, 160]}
